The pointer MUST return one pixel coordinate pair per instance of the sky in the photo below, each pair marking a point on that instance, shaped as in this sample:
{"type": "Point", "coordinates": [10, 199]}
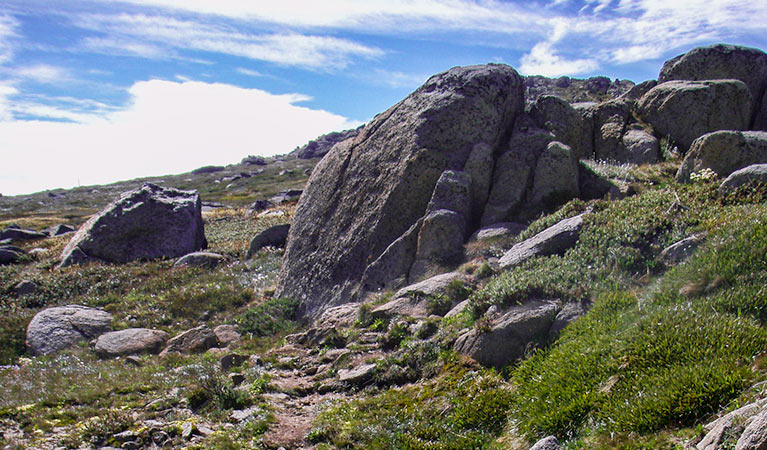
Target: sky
{"type": "Point", "coordinates": [96, 91]}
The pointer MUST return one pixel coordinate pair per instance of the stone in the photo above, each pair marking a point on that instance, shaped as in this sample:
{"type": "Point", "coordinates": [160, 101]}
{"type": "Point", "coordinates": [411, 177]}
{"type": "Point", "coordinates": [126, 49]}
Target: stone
{"type": "Point", "coordinates": [391, 269]}
{"type": "Point", "coordinates": [8, 256]}
{"type": "Point", "coordinates": [147, 223]}
{"type": "Point", "coordinates": [568, 313]}
{"type": "Point", "coordinates": [131, 341]}
{"type": "Point", "coordinates": [479, 167]}
{"type": "Point", "coordinates": [548, 443]}
{"type": "Point", "coordinates": [259, 205]}
{"type": "Point", "coordinates": [553, 240]}
{"type": "Point", "coordinates": [415, 307]}
{"type": "Point", "coordinates": [227, 334]}
{"type": "Point", "coordinates": [510, 181]}
{"type": "Point", "coordinates": [55, 329]}
{"type": "Point", "coordinates": [440, 244]}
{"type": "Point", "coordinates": [724, 152]}
{"type": "Point", "coordinates": [686, 110]}
{"type": "Point", "coordinates": [58, 230]}
{"type": "Point", "coordinates": [357, 375]}
{"type": "Point", "coordinates": [232, 360]}
{"type": "Point", "coordinates": [753, 174]}
{"type": "Point", "coordinates": [510, 334]}
{"type": "Point", "coordinates": [200, 259]}
{"type": "Point", "coordinates": [25, 287]}
{"type": "Point", "coordinates": [498, 230]}
{"type": "Point", "coordinates": [320, 146]}
{"type": "Point", "coordinates": [720, 62]}
{"type": "Point", "coordinates": [458, 309]}
{"type": "Point", "coordinates": [641, 147]}
{"type": "Point", "coordinates": [287, 196]}
{"type": "Point", "coordinates": [609, 120]}
{"type": "Point", "coordinates": [275, 236]}
{"type": "Point", "coordinates": [565, 122]}
{"type": "Point", "coordinates": [251, 160]}
{"type": "Point", "coordinates": [363, 196]}
{"type": "Point", "coordinates": [452, 192]}
{"type": "Point", "coordinates": [754, 437]}
{"type": "Point", "coordinates": [196, 340]}
{"type": "Point", "coordinates": [718, 428]}
{"type": "Point", "coordinates": [680, 251]}
{"type": "Point", "coordinates": [339, 317]}
{"type": "Point", "coordinates": [431, 286]}
{"type": "Point", "coordinates": [19, 234]}
{"type": "Point", "coordinates": [555, 179]}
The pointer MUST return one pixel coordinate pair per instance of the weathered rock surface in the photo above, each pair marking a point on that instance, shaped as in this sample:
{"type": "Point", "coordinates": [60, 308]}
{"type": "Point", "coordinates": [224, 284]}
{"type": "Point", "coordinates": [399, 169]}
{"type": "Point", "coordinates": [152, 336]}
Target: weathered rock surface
{"type": "Point", "coordinates": [610, 120]}
{"type": "Point", "coordinates": [25, 287]}
{"type": "Point", "coordinates": [510, 181]}
{"type": "Point", "coordinates": [9, 256]}
{"type": "Point", "coordinates": [20, 234]}
{"type": "Point", "coordinates": [679, 251]}
{"type": "Point", "coordinates": [227, 334]}
{"type": "Point", "coordinates": [498, 230]}
{"type": "Point", "coordinates": [147, 223]}
{"type": "Point", "coordinates": [755, 173]}
{"type": "Point", "coordinates": [252, 160]}
{"type": "Point", "coordinates": [549, 443]}
{"type": "Point", "coordinates": [287, 196]}
{"type": "Point", "coordinates": [754, 437]}
{"type": "Point", "coordinates": [391, 269]}
{"type": "Point", "coordinates": [413, 300]}
{"type": "Point", "coordinates": [320, 146]}
{"type": "Point", "coordinates": [275, 236]}
{"type": "Point", "coordinates": [433, 285]}
{"type": "Point", "coordinates": [556, 175]}
{"type": "Point", "coordinates": [686, 110]}
{"type": "Point", "coordinates": [200, 259]}
{"type": "Point", "coordinates": [641, 147]}
{"type": "Point", "coordinates": [510, 334]}
{"type": "Point", "coordinates": [131, 341]}
{"type": "Point", "coordinates": [452, 192]}
{"type": "Point", "coordinates": [363, 196]}
{"type": "Point", "coordinates": [195, 340]}
{"type": "Point", "coordinates": [357, 375]}
{"type": "Point", "coordinates": [724, 152]}
{"type": "Point", "coordinates": [565, 122]}
{"type": "Point", "coordinates": [58, 230]}
{"type": "Point", "coordinates": [440, 243]}
{"type": "Point", "coordinates": [62, 327]}
{"type": "Point", "coordinates": [719, 62]}
{"type": "Point", "coordinates": [479, 167]}
{"type": "Point", "coordinates": [718, 428]}
{"type": "Point", "coordinates": [553, 240]}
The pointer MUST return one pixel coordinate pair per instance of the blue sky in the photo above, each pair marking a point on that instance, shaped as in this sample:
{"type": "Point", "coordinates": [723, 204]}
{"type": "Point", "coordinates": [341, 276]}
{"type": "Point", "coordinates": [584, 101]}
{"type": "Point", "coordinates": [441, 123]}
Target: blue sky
{"type": "Point", "coordinates": [95, 91]}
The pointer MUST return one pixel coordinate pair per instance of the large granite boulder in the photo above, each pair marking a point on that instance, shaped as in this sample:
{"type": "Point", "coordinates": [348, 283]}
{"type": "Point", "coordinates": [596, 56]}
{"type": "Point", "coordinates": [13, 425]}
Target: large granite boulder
{"type": "Point", "coordinates": [641, 147]}
{"type": "Point", "coordinates": [610, 120]}
{"type": "Point", "coordinates": [686, 110]}
{"type": "Point", "coordinates": [720, 62]}
{"type": "Point", "coordinates": [362, 197]}
{"type": "Point", "coordinates": [565, 122]}
{"type": "Point", "coordinates": [556, 176]}
{"type": "Point", "coordinates": [131, 341]}
{"type": "Point", "coordinates": [724, 152]}
{"type": "Point", "coordinates": [146, 223]}
{"type": "Point", "coordinates": [511, 334]}
{"type": "Point", "coordinates": [195, 340]}
{"type": "Point", "coordinates": [753, 174]}
{"type": "Point", "coordinates": [440, 244]}
{"type": "Point", "coordinates": [62, 327]}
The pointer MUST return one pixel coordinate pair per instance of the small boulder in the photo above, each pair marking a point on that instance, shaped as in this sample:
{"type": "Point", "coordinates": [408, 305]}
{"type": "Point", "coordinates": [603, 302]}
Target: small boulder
{"type": "Point", "coordinates": [251, 160]}
{"type": "Point", "coordinates": [62, 327]}
{"type": "Point", "coordinates": [553, 240]}
{"type": "Point", "coordinates": [146, 223]}
{"type": "Point", "coordinates": [357, 375]}
{"type": "Point", "coordinates": [58, 230]}
{"type": "Point", "coordinates": [287, 196]}
{"type": "Point", "coordinates": [275, 236]}
{"type": "Point", "coordinates": [25, 287]}
{"type": "Point", "coordinates": [498, 230]}
{"type": "Point", "coordinates": [679, 251]}
{"type": "Point", "coordinates": [452, 192]}
{"type": "Point", "coordinates": [259, 205]}
{"type": "Point", "coordinates": [686, 110]}
{"type": "Point", "coordinates": [724, 152]}
{"type": "Point", "coordinates": [232, 360]}
{"type": "Point", "coordinates": [549, 443]}
{"type": "Point", "coordinates": [440, 243]}
{"type": "Point", "coordinates": [753, 174]}
{"type": "Point", "coordinates": [556, 175]}
{"type": "Point", "coordinates": [458, 309]}
{"type": "Point", "coordinates": [8, 256]}
{"type": "Point", "coordinates": [227, 334]}
{"type": "Point", "coordinates": [431, 286]}
{"type": "Point", "coordinates": [196, 340]}
{"type": "Point", "coordinates": [20, 234]}
{"type": "Point", "coordinates": [131, 341]}
{"type": "Point", "coordinates": [641, 147]}
{"type": "Point", "coordinates": [200, 259]}
{"type": "Point", "coordinates": [511, 334]}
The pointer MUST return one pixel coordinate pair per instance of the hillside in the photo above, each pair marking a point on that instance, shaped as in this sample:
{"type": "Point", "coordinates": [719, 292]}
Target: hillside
{"type": "Point", "coordinates": [481, 266]}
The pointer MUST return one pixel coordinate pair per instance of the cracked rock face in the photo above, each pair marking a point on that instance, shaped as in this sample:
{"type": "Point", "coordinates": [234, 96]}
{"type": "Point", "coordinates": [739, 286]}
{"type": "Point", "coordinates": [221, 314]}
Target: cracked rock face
{"type": "Point", "coordinates": [363, 196]}
{"type": "Point", "coordinates": [59, 328]}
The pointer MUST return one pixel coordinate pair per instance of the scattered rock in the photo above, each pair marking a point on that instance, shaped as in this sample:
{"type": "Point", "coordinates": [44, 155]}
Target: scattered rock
{"type": "Point", "coordinates": [200, 259]}
{"type": "Point", "coordinates": [320, 146]}
{"type": "Point", "coordinates": [725, 424]}
{"type": "Point", "coordinates": [458, 309]}
{"type": "Point", "coordinates": [58, 230]}
{"type": "Point", "coordinates": [196, 340]}
{"type": "Point", "coordinates": [62, 327]}
{"type": "Point", "coordinates": [232, 360]}
{"type": "Point", "coordinates": [25, 287]}
{"type": "Point", "coordinates": [510, 334]}
{"type": "Point", "coordinates": [275, 236]}
{"type": "Point", "coordinates": [131, 341]}
{"type": "Point", "coordinates": [227, 334]}
{"type": "Point", "coordinates": [755, 173]}
{"type": "Point", "coordinates": [553, 240]}
{"type": "Point", "coordinates": [147, 223]}
{"type": "Point", "coordinates": [358, 375]}
{"type": "Point", "coordinates": [363, 196]}
{"type": "Point", "coordinates": [338, 317]}
{"type": "Point", "coordinates": [686, 110]}
{"type": "Point", "coordinates": [754, 437]}
{"type": "Point", "coordinates": [680, 251]}
{"type": "Point", "coordinates": [431, 286]}
{"type": "Point", "coordinates": [724, 152]}
{"type": "Point", "coordinates": [549, 443]}
{"type": "Point", "coordinates": [8, 256]}
{"type": "Point", "coordinates": [19, 234]}
{"type": "Point", "coordinates": [251, 160]}
{"type": "Point", "coordinates": [498, 230]}
{"type": "Point", "coordinates": [641, 147]}
{"type": "Point", "coordinates": [288, 196]}
{"type": "Point", "coordinates": [259, 205]}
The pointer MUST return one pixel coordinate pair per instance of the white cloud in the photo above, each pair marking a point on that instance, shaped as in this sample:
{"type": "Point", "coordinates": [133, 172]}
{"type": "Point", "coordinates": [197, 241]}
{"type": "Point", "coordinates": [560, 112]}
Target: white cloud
{"type": "Point", "coordinates": [8, 26]}
{"type": "Point", "coordinates": [170, 127]}
{"type": "Point", "coordinates": [543, 60]}
{"type": "Point", "coordinates": [5, 103]}
{"type": "Point", "coordinates": [42, 73]}
{"type": "Point", "coordinates": [143, 35]}
{"type": "Point", "coordinates": [249, 72]}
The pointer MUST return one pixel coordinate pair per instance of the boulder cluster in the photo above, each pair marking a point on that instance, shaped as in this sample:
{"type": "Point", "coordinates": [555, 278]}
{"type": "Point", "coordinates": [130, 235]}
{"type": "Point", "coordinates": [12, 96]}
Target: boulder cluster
{"type": "Point", "coordinates": [395, 203]}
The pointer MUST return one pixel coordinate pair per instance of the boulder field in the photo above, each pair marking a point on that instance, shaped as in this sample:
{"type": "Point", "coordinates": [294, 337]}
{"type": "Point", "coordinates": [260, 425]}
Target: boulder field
{"type": "Point", "coordinates": [394, 203]}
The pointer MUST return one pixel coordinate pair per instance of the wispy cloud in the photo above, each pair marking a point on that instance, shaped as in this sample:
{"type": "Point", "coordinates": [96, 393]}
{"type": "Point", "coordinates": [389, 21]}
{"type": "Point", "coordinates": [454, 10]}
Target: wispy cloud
{"type": "Point", "coordinates": [249, 72]}
{"type": "Point", "coordinates": [147, 36]}
{"type": "Point", "coordinates": [42, 73]}
{"type": "Point", "coordinates": [8, 26]}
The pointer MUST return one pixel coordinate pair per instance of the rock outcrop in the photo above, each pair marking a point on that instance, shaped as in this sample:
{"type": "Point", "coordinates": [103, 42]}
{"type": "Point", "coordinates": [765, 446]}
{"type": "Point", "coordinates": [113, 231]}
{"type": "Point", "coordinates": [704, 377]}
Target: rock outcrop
{"type": "Point", "coordinates": [62, 327]}
{"type": "Point", "coordinates": [147, 223]}
{"type": "Point", "coordinates": [320, 146]}
{"type": "Point", "coordinates": [200, 259]}
{"type": "Point", "coordinates": [362, 197]}
{"type": "Point", "coordinates": [753, 174]}
{"type": "Point", "coordinates": [131, 341]}
{"type": "Point", "coordinates": [553, 240]}
{"type": "Point", "coordinates": [724, 152]}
